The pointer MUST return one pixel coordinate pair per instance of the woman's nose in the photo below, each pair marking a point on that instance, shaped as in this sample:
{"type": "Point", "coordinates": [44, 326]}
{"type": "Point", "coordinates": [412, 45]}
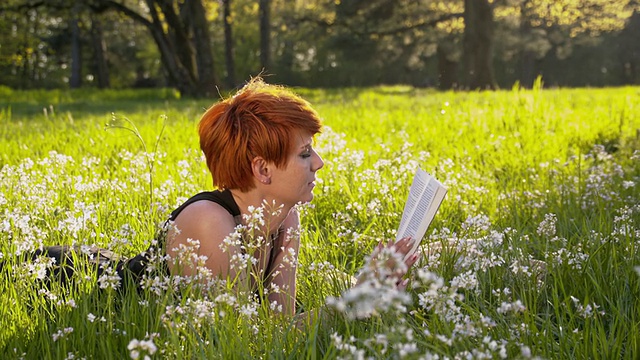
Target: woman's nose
{"type": "Point", "coordinates": [319, 162]}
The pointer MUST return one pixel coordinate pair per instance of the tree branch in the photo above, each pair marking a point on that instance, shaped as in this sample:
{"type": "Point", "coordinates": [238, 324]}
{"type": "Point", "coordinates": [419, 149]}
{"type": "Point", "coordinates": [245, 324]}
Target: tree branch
{"type": "Point", "coordinates": [29, 5]}
{"type": "Point", "coordinates": [417, 25]}
{"type": "Point", "coordinates": [422, 24]}
{"type": "Point", "coordinates": [106, 4]}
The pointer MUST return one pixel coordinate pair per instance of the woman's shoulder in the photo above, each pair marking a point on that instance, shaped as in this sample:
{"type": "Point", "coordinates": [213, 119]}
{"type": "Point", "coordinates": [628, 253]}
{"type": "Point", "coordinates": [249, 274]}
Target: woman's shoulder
{"type": "Point", "coordinates": [204, 210]}
{"type": "Point", "coordinates": [209, 201]}
{"type": "Point", "coordinates": [202, 220]}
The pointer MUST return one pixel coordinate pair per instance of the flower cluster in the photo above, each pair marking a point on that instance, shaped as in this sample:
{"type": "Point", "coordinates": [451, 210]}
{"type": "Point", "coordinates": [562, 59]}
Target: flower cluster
{"type": "Point", "coordinates": [144, 348]}
{"type": "Point", "coordinates": [377, 289]}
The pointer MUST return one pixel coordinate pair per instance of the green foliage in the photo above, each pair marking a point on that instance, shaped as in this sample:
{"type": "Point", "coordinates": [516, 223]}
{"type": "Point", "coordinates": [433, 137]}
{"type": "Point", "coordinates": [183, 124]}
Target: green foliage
{"type": "Point", "coordinates": [325, 43]}
{"type": "Point", "coordinates": [533, 252]}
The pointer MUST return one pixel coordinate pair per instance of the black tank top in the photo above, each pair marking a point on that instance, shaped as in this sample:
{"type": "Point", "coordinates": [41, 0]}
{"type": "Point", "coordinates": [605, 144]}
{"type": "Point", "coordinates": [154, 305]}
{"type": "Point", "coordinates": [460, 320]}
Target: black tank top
{"type": "Point", "coordinates": [137, 265]}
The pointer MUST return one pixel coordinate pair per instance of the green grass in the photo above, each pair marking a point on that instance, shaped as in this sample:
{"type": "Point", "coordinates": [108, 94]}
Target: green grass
{"type": "Point", "coordinates": [539, 228]}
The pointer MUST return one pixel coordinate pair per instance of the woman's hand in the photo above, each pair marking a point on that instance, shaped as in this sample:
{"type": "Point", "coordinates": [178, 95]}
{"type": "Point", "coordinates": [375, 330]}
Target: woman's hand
{"type": "Point", "coordinates": [390, 262]}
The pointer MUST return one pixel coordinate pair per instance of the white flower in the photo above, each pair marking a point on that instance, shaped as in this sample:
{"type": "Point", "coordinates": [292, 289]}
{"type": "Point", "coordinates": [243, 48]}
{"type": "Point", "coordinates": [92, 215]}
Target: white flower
{"type": "Point", "coordinates": [70, 303]}
{"type": "Point", "coordinates": [586, 311]}
{"type": "Point", "coordinates": [248, 310]}
{"type": "Point", "coordinates": [513, 307]}
{"type": "Point", "coordinates": [547, 226]}
{"type": "Point", "coordinates": [136, 347]}
{"type": "Point", "coordinates": [109, 279]}
{"type": "Point", "coordinates": [39, 266]}
{"type": "Point", "coordinates": [275, 307]}
{"type": "Point", "coordinates": [377, 291]}
{"type": "Point", "coordinates": [466, 281]}
{"type": "Point", "coordinates": [61, 333]}
{"type": "Point", "coordinates": [406, 349]}
{"type": "Point", "coordinates": [477, 223]}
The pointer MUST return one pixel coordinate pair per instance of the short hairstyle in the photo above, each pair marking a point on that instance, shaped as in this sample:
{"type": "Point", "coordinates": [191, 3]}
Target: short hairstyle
{"type": "Point", "coordinates": [259, 120]}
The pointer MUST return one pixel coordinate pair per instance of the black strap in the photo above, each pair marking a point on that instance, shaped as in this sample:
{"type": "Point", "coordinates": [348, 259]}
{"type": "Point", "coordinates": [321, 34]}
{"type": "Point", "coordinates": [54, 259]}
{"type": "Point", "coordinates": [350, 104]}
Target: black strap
{"type": "Point", "coordinates": [222, 198]}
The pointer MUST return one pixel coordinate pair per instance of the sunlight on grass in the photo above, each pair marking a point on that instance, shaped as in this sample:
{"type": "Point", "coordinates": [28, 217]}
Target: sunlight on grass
{"type": "Point", "coordinates": [534, 251]}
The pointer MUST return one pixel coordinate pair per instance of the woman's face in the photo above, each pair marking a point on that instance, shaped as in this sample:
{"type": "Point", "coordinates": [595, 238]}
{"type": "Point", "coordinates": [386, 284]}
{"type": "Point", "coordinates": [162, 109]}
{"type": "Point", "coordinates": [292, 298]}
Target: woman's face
{"type": "Point", "coordinates": [295, 182]}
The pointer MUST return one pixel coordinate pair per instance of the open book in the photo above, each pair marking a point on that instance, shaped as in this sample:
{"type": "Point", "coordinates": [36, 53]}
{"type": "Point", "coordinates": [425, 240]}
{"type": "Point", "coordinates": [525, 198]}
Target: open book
{"type": "Point", "coordinates": [425, 196]}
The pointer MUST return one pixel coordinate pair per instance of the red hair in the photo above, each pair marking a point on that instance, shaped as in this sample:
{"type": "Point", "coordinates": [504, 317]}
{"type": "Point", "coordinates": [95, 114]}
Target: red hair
{"type": "Point", "coordinates": [260, 120]}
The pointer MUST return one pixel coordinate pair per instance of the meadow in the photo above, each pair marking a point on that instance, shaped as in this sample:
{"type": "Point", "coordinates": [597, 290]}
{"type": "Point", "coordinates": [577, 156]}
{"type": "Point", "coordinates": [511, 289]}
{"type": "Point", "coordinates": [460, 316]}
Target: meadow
{"type": "Point", "coordinates": [535, 252]}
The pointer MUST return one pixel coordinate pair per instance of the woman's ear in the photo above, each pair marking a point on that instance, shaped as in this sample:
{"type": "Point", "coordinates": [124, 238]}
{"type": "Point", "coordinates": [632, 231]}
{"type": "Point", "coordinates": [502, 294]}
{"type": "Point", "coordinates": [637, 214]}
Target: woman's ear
{"type": "Point", "coordinates": [261, 170]}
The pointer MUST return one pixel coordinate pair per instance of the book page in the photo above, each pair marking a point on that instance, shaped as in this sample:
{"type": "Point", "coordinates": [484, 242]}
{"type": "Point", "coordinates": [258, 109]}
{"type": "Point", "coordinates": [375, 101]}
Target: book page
{"type": "Point", "coordinates": [425, 196]}
{"type": "Point", "coordinates": [417, 187]}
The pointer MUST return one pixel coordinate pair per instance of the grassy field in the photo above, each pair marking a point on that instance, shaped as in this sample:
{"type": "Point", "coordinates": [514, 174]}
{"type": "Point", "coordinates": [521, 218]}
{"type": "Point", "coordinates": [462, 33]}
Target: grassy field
{"type": "Point", "coordinates": [534, 253]}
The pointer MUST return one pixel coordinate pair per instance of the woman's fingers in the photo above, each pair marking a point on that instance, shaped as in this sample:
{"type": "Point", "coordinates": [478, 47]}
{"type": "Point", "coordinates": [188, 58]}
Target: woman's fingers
{"type": "Point", "coordinates": [408, 262]}
{"type": "Point", "coordinates": [404, 245]}
{"type": "Point", "coordinates": [393, 269]}
{"type": "Point", "coordinates": [402, 284]}
{"type": "Point", "coordinates": [403, 241]}
{"type": "Point", "coordinates": [412, 260]}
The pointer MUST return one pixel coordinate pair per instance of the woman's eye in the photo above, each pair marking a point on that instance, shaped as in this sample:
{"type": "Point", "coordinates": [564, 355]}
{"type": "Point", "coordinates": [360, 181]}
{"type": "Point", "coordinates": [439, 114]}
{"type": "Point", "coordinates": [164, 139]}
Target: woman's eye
{"type": "Point", "coordinates": [305, 155]}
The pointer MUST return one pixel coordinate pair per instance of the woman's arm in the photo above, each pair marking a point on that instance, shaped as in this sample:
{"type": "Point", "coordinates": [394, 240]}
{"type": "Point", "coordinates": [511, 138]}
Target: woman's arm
{"type": "Point", "coordinates": [283, 278]}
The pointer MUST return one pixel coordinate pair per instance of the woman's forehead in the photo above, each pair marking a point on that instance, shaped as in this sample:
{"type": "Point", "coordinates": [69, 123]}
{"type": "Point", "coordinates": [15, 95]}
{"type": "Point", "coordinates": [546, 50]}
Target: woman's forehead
{"type": "Point", "coordinates": [302, 139]}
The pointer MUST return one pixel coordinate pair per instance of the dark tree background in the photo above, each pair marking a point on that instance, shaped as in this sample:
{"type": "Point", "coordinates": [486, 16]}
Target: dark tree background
{"type": "Point", "coordinates": [199, 46]}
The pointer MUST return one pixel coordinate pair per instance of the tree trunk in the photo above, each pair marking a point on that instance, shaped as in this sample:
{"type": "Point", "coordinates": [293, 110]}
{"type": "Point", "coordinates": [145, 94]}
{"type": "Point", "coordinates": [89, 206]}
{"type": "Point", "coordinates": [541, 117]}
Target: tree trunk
{"type": "Point", "coordinates": [99, 53]}
{"type": "Point", "coordinates": [629, 52]}
{"type": "Point", "coordinates": [228, 44]}
{"type": "Point", "coordinates": [478, 44]}
{"type": "Point", "coordinates": [447, 69]}
{"type": "Point", "coordinates": [526, 64]}
{"type": "Point", "coordinates": [23, 67]}
{"type": "Point", "coordinates": [286, 62]}
{"type": "Point", "coordinates": [207, 81]}
{"type": "Point", "coordinates": [283, 48]}
{"type": "Point", "coordinates": [265, 34]}
{"type": "Point", "coordinates": [526, 60]}
{"type": "Point", "coordinates": [179, 75]}
{"type": "Point", "coordinates": [75, 80]}
{"type": "Point", "coordinates": [178, 36]}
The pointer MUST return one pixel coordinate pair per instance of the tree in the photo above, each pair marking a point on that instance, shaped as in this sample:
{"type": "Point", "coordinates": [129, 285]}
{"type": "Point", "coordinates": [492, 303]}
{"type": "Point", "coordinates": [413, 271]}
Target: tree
{"type": "Point", "coordinates": [358, 42]}
{"type": "Point", "coordinates": [28, 46]}
{"type": "Point", "coordinates": [60, 43]}
{"type": "Point", "coordinates": [228, 44]}
{"type": "Point", "coordinates": [76, 48]}
{"type": "Point", "coordinates": [195, 16]}
{"type": "Point", "coordinates": [182, 37]}
{"type": "Point", "coordinates": [546, 25]}
{"type": "Point", "coordinates": [315, 43]}
{"type": "Point", "coordinates": [629, 53]}
{"type": "Point", "coordinates": [532, 27]}
{"type": "Point", "coordinates": [265, 34]}
{"type": "Point", "coordinates": [478, 44]}
{"type": "Point", "coordinates": [100, 53]}
{"type": "Point", "coordinates": [284, 49]}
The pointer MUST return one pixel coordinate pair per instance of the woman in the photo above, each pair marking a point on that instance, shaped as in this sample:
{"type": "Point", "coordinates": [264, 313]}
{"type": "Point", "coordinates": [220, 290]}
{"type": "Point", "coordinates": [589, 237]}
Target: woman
{"type": "Point", "coordinates": [258, 146]}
